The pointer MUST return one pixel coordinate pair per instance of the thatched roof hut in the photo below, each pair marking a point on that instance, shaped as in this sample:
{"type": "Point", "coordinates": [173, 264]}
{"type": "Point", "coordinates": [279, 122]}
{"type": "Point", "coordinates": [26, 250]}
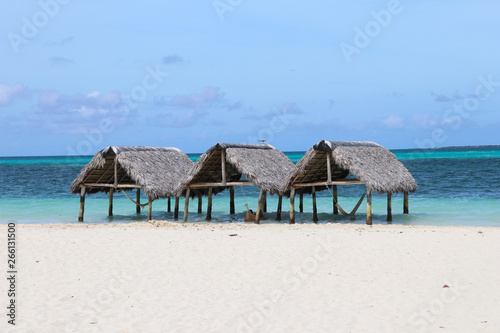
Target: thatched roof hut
{"type": "Point", "coordinates": [331, 163]}
{"type": "Point", "coordinates": [155, 170]}
{"type": "Point", "coordinates": [261, 164]}
{"type": "Point", "coordinates": [369, 162]}
{"type": "Point", "coordinates": [226, 164]}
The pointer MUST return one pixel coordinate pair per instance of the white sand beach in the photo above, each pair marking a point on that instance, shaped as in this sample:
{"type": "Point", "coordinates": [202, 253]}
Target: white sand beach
{"type": "Point", "coordinates": [174, 277]}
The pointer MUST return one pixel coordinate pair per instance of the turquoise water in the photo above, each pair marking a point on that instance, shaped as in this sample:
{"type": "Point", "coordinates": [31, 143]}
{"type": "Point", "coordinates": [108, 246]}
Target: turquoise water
{"type": "Point", "coordinates": [457, 186]}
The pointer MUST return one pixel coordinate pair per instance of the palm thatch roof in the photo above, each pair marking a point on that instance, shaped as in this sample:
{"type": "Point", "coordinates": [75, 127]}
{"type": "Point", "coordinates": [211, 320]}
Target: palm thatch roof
{"type": "Point", "coordinates": [261, 164]}
{"type": "Point", "coordinates": [156, 170]}
{"type": "Point", "coordinates": [369, 162]}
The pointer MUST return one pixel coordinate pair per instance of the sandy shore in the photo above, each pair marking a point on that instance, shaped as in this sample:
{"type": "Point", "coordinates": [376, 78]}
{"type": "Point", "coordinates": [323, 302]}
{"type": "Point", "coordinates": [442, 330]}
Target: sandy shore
{"type": "Point", "coordinates": [170, 277]}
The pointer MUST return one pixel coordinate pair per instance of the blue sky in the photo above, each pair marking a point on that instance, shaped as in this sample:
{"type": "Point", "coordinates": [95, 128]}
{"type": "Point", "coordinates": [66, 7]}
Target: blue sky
{"type": "Point", "coordinates": [79, 76]}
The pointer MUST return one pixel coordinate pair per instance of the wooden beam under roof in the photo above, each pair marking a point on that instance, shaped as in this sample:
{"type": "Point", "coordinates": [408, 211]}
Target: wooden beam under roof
{"type": "Point", "coordinates": [333, 182]}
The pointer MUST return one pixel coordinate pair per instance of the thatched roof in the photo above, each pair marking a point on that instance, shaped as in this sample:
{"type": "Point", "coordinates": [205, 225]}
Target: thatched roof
{"type": "Point", "coordinates": [261, 164]}
{"type": "Point", "coordinates": [371, 163]}
{"type": "Point", "coordinates": [156, 170]}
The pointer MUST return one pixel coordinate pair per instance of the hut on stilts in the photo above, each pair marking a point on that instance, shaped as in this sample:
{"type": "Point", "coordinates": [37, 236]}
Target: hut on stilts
{"type": "Point", "coordinates": [155, 170]}
{"type": "Point", "coordinates": [226, 165]}
{"type": "Point", "coordinates": [331, 163]}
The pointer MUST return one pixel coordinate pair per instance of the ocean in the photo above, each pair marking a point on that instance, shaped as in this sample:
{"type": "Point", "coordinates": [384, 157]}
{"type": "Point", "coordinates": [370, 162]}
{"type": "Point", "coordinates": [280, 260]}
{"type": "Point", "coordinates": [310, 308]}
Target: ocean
{"type": "Point", "coordinates": [457, 187]}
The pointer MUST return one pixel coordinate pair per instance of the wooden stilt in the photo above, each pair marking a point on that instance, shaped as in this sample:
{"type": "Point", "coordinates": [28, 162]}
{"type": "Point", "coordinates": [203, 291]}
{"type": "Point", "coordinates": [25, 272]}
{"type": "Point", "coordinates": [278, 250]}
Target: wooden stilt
{"type": "Point", "coordinates": [82, 204]}
{"type": "Point", "coordinates": [186, 205]}
{"type": "Point", "coordinates": [110, 208]}
{"type": "Point", "coordinates": [116, 172]}
{"type": "Point", "coordinates": [260, 203]}
{"type": "Point", "coordinates": [199, 203]}
{"type": "Point", "coordinates": [315, 209]}
{"type": "Point", "coordinates": [389, 207]}
{"type": "Point", "coordinates": [138, 201]}
{"type": "Point", "coordinates": [301, 202]}
{"type": "Point", "coordinates": [231, 200]}
{"type": "Point", "coordinates": [264, 204]}
{"type": "Point", "coordinates": [150, 208]}
{"type": "Point", "coordinates": [209, 205]}
{"type": "Point", "coordinates": [335, 200]}
{"type": "Point", "coordinates": [278, 210]}
{"type": "Point", "coordinates": [223, 166]}
{"type": "Point", "coordinates": [369, 207]}
{"type": "Point", "coordinates": [292, 206]}
{"type": "Point", "coordinates": [352, 214]}
{"type": "Point", "coordinates": [168, 205]}
{"type": "Point", "coordinates": [405, 204]}
{"type": "Point", "coordinates": [176, 208]}
{"type": "Point", "coordinates": [328, 169]}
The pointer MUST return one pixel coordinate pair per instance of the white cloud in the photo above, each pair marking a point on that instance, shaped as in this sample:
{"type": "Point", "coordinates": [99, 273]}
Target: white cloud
{"type": "Point", "coordinates": [61, 113]}
{"type": "Point", "coordinates": [186, 119]}
{"type": "Point", "coordinates": [52, 101]}
{"type": "Point", "coordinates": [287, 109]}
{"type": "Point", "coordinates": [208, 97]}
{"type": "Point", "coordinates": [9, 93]}
{"type": "Point", "coordinates": [426, 120]}
{"type": "Point", "coordinates": [60, 61]}
{"type": "Point", "coordinates": [393, 122]}
{"type": "Point", "coordinates": [94, 94]}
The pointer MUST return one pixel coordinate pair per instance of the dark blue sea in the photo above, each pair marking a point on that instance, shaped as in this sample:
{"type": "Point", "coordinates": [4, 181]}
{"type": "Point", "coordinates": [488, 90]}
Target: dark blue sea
{"type": "Point", "coordinates": [457, 186]}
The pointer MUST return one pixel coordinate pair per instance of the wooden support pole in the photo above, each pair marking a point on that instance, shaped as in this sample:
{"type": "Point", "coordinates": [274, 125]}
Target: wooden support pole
{"type": "Point", "coordinates": [355, 209]}
{"type": "Point", "coordinates": [278, 210]}
{"type": "Point", "coordinates": [218, 184]}
{"type": "Point", "coordinates": [176, 208]}
{"type": "Point", "coordinates": [186, 205]}
{"type": "Point", "coordinates": [150, 208]}
{"type": "Point", "coordinates": [335, 200]}
{"type": "Point", "coordinates": [389, 207]}
{"type": "Point", "coordinates": [110, 208]}
{"type": "Point", "coordinates": [122, 185]}
{"type": "Point", "coordinates": [369, 207]}
{"type": "Point", "coordinates": [264, 204]}
{"type": "Point", "coordinates": [138, 201]}
{"type": "Point", "coordinates": [260, 203]}
{"type": "Point", "coordinates": [292, 206]}
{"type": "Point", "coordinates": [328, 168]}
{"type": "Point", "coordinates": [324, 183]}
{"type": "Point", "coordinates": [209, 205]}
{"type": "Point", "coordinates": [116, 173]}
{"type": "Point", "coordinates": [168, 205]}
{"type": "Point", "coordinates": [200, 198]}
{"type": "Point", "coordinates": [301, 202]}
{"type": "Point", "coordinates": [223, 166]}
{"type": "Point", "coordinates": [315, 209]}
{"type": "Point", "coordinates": [231, 200]}
{"type": "Point", "coordinates": [405, 204]}
{"type": "Point", "coordinates": [82, 203]}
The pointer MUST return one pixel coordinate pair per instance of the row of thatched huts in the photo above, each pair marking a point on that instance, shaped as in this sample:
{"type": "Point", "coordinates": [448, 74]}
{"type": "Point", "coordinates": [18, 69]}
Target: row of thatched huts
{"type": "Point", "coordinates": [169, 173]}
